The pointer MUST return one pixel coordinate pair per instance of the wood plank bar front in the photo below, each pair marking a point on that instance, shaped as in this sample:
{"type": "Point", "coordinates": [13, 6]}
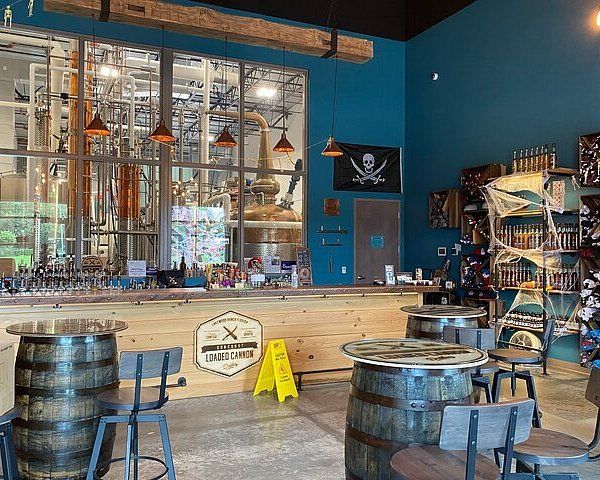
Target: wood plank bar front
{"type": "Point", "coordinates": [313, 326]}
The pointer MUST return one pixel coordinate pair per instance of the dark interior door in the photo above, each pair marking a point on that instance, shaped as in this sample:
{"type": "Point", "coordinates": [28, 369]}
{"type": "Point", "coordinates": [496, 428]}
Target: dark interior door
{"type": "Point", "coordinates": [376, 238]}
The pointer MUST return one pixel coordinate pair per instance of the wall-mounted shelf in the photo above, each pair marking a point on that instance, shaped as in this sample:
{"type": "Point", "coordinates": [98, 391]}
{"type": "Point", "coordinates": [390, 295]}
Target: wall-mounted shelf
{"type": "Point", "coordinates": [327, 244]}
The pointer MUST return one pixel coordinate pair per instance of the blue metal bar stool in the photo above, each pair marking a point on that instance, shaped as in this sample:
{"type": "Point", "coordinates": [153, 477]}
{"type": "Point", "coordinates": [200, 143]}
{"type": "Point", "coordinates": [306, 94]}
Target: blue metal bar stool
{"type": "Point", "coordinates": [7, 445]}
{"type": "Point", "coordinates": [133, 400]}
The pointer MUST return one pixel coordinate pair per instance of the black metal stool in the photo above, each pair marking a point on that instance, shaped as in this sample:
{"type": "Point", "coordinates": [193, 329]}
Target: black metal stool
{"type": "Point", "coordinates": [138, 366]}
{"type": "Point", "coordinates": [519, 356]}
{"type": "Point", "coordinates": [483, 339]}
{"type": "Point", "coordinates": [7, 445]}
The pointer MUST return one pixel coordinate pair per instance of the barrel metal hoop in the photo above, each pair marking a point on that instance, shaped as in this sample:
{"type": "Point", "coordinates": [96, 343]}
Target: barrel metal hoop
{"type": "Point", "coordinates": [351, 476]}
{"type": "Point", "coordinates": [64, 366]}
{"type": "Point", "coordinates": [405, 404]}
{"type": "Point", "coordinates": [416, 333]}
{"type": "Point", "coordinates": [54, 426]}
{"type": "Point", "coordinates": [51, 456]}
{"type": "Point", "coordinates": [67, 392]}
{"type": "Point", "coordinates": [66, 340]}
{"type": "Point", "coordinates": [372, 441]}
{"type": "Point", "coordinates": [415, 372]}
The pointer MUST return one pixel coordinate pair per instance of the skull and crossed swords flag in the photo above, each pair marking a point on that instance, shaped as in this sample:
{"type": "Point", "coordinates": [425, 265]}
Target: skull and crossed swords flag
{"type": "Point", "coordinates": [367, 168]}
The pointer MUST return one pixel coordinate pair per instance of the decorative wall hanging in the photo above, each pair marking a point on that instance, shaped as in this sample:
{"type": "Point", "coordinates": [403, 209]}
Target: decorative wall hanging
{"type": "Point", "coordinates": [365, 168]}
{"type": "Point", "coordinates": [331, 207]}
{"type": "Point", "coordinates": [589, 159]}
{"type": "Point", "coordinates": [444, 209]}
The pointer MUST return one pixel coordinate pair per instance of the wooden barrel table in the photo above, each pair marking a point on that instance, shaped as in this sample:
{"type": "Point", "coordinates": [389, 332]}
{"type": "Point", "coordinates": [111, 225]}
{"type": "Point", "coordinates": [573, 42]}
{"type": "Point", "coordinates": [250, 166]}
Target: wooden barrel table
{"type": "Point", "coordinates": [429, 321]}
{"type": "Point", "coordinates": [398, 392]}
{"type": "Point", "coordinates": [61, 367]}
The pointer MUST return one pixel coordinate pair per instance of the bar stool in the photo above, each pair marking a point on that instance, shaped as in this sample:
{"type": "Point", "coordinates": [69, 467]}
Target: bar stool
{"type": "Point", "coordinates": [547, 447]}
{"type": "Point", "coordinates": [483, 339]}
{"type": "Point", "coordinates": [133, 400]}
{"type": "Point", "coordinates": [515, 357]}
{"type": "Point", "coordinates": [465, 430]}
{"type": "Point", "coordinates": [7, 445]}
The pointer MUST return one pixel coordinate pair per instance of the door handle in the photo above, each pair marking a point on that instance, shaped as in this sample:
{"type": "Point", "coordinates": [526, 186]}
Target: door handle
{"type": "Point", "coordinates": [360, 277]}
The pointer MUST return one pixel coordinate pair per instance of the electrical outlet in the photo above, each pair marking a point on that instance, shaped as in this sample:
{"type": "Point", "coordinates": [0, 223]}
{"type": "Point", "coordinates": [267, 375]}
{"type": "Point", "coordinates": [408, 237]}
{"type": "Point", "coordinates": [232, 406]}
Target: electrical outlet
{"type": "Point", "coordinates": [343, 269]}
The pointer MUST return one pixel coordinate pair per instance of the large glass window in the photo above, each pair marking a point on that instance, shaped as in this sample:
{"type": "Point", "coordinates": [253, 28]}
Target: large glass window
{"type": "Point", "coordinates": [106, 198]}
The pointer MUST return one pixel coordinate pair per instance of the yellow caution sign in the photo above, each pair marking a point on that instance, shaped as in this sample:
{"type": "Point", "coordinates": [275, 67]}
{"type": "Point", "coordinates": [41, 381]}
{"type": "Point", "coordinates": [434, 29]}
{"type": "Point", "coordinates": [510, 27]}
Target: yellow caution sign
{"type": "Point", "coordinates": [276, 371]}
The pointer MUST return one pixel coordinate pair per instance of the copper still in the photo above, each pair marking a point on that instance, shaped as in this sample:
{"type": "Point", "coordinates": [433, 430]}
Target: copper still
{"type": "Point", "coordinates": [260, 238]}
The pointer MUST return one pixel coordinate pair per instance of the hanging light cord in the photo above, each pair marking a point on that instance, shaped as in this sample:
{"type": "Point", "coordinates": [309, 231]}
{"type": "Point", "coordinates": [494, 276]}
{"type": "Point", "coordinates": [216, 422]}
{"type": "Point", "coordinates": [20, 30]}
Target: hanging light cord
{"type": "Point", "coordinates": [335, 75]}
{"type": "Point", "coordinates": [283, 90]}
{"type": "Point", "coordinates": [95, 63]}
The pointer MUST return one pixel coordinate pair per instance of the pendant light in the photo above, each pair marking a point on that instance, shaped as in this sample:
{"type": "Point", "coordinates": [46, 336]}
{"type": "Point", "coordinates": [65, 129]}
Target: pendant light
{"type": "Point", "coordinates": [225, 138]}
{"type": "Point", "coordinates": [97, 127]}
{"type": "Point", "coordinates": [332, 149]}
{"type": "Point", "coordinates": [161, 133]}
{"type": "Point", "coordinates": [283, 145]}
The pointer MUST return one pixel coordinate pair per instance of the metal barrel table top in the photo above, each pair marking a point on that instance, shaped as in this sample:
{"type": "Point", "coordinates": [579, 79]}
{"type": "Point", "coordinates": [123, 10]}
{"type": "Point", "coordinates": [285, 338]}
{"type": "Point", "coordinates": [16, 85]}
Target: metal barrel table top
{"type": "Point", "coordinates": [414, 353]}
{"type": "Point", "coordinates": [443, 311]}
{"type": "Point", "coordinates": [67, 327]}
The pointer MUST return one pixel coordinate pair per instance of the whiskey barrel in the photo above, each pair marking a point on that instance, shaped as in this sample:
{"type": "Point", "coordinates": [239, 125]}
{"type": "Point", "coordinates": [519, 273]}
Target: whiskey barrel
{"type": "Point", "coordinates": [57, 379]}
{"type": "Point", "coordinates": [392, 407]}
{"type": "Point", "coordinates": [429, 321]}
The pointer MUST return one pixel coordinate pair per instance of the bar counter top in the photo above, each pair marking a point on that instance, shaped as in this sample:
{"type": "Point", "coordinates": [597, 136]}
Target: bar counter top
{"type": "Point", "coordinates": [189, 294]}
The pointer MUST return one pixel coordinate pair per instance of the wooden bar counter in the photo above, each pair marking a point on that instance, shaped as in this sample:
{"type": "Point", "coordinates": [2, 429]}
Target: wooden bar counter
{"type": "Point", "coordinates": [313, 321]}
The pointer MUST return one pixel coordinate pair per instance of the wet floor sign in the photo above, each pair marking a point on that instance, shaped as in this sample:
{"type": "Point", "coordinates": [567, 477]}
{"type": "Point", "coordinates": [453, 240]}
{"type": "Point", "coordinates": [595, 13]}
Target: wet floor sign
{"type": "Point", "coordinates": [276, 371]}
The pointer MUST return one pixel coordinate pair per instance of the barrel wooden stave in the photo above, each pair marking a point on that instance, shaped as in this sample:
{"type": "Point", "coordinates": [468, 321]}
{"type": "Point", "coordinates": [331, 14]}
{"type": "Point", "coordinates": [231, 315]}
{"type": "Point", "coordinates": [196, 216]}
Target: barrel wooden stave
{"type": "Point", "coordinates": [384, 429]}
{"type": "Point", "coordinates": [433, 328]}
{"type": "Point", "coordinates": [57, 381]}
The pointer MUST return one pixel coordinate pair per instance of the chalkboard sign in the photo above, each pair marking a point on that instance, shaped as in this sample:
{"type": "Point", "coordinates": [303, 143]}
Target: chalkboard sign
{"type": "Point", "coordinates": [304, 267]}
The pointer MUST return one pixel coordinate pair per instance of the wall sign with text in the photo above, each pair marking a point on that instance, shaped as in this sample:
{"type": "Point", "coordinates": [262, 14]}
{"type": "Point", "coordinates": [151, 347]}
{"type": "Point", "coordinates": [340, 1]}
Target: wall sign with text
{"type": "Point", "coordinates": [228, 344]}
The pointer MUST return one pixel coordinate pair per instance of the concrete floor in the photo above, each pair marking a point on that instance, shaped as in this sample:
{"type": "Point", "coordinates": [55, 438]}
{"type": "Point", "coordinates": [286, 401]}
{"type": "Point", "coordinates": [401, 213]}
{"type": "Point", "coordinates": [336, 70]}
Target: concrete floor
{"type": "Point", "coordinates": [239, 436]}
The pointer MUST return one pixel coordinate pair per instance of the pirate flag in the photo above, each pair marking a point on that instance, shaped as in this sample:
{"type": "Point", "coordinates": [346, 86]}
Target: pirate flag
{"type": "Point", "coordinates": [366, 168]}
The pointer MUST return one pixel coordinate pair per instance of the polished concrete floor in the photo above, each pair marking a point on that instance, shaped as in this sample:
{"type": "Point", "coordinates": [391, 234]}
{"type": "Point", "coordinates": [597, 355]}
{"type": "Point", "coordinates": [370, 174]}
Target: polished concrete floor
{"type": "Point", "coordinates": [242, 437]}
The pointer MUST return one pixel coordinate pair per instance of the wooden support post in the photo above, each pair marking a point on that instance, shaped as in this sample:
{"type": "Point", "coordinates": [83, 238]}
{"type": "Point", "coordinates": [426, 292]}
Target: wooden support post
{"type": "Point", "coordinates": [206, 22]}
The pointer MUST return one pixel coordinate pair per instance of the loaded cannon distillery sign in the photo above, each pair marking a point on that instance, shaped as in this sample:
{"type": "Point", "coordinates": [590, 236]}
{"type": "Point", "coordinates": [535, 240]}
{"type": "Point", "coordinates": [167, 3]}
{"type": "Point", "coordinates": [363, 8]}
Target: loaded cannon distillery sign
{"type": "Point", "coordinates": [228, 344]}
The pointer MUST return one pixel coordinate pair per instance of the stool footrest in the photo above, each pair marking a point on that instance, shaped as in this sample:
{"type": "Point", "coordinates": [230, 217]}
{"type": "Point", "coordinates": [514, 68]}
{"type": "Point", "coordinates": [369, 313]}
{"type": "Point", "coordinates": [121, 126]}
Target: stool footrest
{"type": "Point", "coordinates": [133, 459]}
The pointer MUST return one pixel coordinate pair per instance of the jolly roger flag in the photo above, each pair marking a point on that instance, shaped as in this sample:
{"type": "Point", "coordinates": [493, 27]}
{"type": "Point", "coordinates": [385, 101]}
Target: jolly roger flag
{"type": "Point", "coordinates": [367, 168]}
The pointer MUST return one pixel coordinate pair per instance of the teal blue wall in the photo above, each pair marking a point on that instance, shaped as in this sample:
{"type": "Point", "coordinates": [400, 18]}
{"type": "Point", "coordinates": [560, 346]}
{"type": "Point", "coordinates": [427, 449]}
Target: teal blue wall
{"type": "Point", "coordinates": [512, 73]}
{"type": "Point", "coordinates": [370, 110]}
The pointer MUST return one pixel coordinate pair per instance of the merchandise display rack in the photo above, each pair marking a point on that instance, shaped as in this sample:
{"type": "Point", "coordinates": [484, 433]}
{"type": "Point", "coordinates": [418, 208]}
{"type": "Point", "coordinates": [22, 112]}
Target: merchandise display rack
{"type": "Point", "coordinates": [525, 265]}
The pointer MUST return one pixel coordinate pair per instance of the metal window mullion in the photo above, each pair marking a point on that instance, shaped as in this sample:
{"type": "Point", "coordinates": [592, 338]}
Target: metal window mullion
{"type": "Point", "coordinates": [80, 152]}
{"type": "Point", "coordinates": [241, 162]}
{"type": "Point", "coordinates": [165, 172]}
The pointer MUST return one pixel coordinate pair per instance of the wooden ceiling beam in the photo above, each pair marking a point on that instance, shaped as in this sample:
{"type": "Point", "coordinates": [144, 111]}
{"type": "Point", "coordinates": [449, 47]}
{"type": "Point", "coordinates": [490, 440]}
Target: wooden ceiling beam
{"type": "Point", "coordinates": [206, 22]}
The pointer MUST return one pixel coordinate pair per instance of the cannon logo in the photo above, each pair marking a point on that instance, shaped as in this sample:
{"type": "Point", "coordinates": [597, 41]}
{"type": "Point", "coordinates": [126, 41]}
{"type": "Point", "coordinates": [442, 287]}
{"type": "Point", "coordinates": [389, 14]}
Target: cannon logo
{"type": "Point", "coordinates": [228, 344]}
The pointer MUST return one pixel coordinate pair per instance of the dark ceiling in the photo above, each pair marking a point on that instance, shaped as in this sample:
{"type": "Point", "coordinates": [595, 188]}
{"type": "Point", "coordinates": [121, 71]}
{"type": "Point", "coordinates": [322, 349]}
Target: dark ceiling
{"type": "Point", "coordinates": [395, 19]}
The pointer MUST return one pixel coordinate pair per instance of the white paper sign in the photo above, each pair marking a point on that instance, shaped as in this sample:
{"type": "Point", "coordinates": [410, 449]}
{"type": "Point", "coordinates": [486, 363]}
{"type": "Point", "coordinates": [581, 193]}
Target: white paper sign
{"type": "Point", "coordinates": [136, 268]}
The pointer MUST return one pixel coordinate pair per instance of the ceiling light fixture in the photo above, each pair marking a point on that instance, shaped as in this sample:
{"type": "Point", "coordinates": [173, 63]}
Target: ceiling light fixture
{"type": "Point", "coordinates": [97, 127]}
{"type": "Point", "coordinates": [332, 149]}
{"type": "Point", "coordinates": [598, 17]}
{"type": "Point", "coordinates": [283, 145]}
{"type": "Point", "coordinates": [161, 133]}
{"type": "Point", "coordinates": [225, 138]}
{"type": "Point", "coordinates": [266, 92]}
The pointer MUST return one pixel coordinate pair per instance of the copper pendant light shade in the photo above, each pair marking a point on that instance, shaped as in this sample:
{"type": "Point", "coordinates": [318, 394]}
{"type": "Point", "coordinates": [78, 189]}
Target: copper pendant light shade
{"type": "Point", "coordinates": [283, 145]}
{"type": "Point", "coordinates": [96, 128]}
{"type": "Point", "coordinates": [332, 149]}
{"type": "Point", "coordinates": [225, 139]}
{"type": "Point", "coordinates": [162, 134]}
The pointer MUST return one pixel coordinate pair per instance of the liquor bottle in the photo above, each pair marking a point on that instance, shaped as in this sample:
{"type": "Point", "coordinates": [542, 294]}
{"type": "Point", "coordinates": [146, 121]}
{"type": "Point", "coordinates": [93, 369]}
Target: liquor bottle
{"type": "Point", "coordinates": [521, 161]}
{"type": "Point", "coordinates": [515, 166]}
{"type": "Point", "coordinates": [182, 265]}
{"type": "Point", "coordinates": [537, 163]}
{"type": "Point", "coordinates": [552, 158]}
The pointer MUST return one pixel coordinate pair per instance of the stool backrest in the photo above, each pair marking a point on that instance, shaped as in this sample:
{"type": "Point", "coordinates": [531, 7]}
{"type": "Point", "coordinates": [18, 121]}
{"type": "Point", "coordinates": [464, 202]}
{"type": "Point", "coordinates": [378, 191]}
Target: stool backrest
{"type": "Point", "coordinates": [592, 393]}
{"type": "Point", "coordinates": [484, 427]}
{"type": "Point", "coordinates": [482, 338]}
{"type": "Point", "coordinates": [150, 364]}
